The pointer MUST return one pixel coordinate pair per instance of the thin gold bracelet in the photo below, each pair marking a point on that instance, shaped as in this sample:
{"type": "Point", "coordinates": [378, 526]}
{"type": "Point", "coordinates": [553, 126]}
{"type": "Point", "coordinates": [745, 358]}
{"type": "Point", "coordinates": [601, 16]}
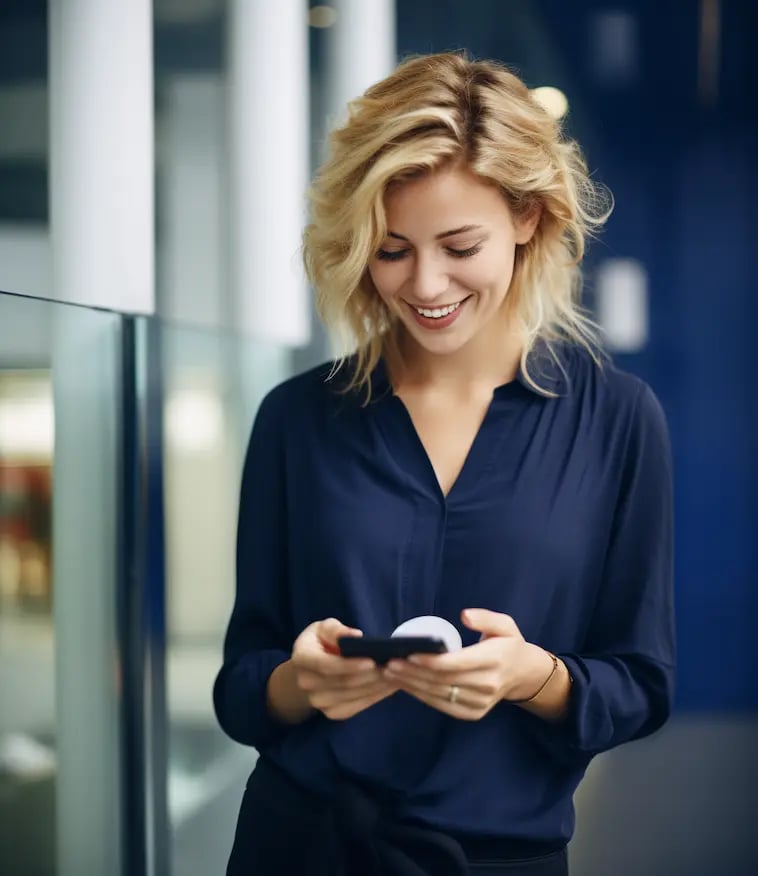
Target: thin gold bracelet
{"type": "Point", "coordinates": [545, 683]}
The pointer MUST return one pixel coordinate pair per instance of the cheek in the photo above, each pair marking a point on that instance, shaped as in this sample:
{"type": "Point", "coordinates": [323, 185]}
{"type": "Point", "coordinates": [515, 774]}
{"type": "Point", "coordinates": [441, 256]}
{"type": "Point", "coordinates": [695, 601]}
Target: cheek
{"type": "Point", "coordinates": [387, 279]}
{"type": "Point", "coordinates": [490, 275]}
{"type": "Point", "coordinates": [483, 277]}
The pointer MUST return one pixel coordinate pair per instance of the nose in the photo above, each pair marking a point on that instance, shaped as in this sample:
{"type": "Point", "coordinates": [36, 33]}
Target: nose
{"type": "Point", "coordinates": [430, 280]}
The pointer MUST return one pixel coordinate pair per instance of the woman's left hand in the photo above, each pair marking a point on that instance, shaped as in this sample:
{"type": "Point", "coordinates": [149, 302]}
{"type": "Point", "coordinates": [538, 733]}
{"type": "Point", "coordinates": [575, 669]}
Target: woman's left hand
{"type": "Point", "coordinates": [468, 683]}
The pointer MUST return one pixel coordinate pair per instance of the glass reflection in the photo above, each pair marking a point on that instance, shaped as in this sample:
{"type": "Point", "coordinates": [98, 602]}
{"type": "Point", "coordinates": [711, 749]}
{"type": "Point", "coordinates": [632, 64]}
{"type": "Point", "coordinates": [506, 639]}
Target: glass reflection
{"type": "Point", "coordinates": [27, 686]}
{"type": "Point", "coordinates": [213, 383]}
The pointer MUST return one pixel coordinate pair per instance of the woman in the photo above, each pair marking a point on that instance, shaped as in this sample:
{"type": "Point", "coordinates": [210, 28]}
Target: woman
{"type": "Point", "coordinates": [475, 459]}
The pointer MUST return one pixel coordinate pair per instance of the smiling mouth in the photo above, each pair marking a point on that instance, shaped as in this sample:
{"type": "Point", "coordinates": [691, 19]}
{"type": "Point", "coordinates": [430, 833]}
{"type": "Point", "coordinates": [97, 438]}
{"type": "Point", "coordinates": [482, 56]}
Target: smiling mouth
{"type": "Point", "coordinates": [438, 312]}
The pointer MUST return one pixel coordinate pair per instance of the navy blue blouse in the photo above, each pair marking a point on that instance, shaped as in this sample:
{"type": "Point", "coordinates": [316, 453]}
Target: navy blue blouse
{"type": "Point", "coordinates": [560, 517]}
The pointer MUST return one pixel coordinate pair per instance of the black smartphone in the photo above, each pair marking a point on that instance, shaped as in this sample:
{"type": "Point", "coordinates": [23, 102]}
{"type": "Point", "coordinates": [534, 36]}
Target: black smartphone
{"type": "Point", "coordinates": [383, 650]}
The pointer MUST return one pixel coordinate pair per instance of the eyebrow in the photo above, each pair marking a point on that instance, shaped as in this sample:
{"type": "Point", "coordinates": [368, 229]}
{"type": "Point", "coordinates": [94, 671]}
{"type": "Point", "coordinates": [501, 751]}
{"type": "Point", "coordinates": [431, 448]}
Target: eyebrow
{"type": "Point", "coordinates": [444, 234]}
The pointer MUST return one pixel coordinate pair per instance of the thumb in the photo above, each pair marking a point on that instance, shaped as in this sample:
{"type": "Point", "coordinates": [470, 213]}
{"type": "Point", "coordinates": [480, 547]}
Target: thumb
{"type": "Point", "coordinates": [489, 623]}
{"type": "Point", "coordinates": [330, 630]}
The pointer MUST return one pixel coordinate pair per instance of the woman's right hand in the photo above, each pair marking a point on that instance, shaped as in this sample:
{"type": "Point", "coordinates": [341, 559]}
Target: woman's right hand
{"type": "Point", "coordinates": [340, 687]}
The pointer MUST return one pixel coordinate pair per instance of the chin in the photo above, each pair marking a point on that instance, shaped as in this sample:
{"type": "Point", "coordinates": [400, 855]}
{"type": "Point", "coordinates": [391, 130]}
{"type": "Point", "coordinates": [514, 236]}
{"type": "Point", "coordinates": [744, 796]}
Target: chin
{"type": "Point", "coordinates": [441, 345]}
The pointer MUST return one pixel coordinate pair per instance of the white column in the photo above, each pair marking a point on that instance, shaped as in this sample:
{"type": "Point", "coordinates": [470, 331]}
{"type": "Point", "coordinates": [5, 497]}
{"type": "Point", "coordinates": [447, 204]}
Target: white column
{"type": "Point", "coordinates": [268, 173]}
{"type": "Point", "coordinates": [192, 269]}
{"type": "Point", "coordinates": [363, 50]}
{"type": "Point", "coordinates": [101, 153]}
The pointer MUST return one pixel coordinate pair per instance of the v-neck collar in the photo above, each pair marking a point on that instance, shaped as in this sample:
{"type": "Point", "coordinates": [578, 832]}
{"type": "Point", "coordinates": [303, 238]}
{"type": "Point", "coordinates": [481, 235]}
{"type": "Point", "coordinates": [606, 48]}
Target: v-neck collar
{"type": "Point", "coordinates": [405, 439]}
{"type": "Point", "coordinates": [402, 438]}
{"type": "Point", "coordinates": [545, 369]}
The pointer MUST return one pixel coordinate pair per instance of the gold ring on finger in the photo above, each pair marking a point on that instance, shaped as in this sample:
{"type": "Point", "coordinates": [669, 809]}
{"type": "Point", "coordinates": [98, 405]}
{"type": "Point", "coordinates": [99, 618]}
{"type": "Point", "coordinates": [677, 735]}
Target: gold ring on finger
{"type": "Point", "coordinates": [454, 693]}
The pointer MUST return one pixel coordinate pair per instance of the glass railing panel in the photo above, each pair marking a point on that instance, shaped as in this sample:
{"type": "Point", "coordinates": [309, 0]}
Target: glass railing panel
{"type": "Point", "coordinates": [60, 785]}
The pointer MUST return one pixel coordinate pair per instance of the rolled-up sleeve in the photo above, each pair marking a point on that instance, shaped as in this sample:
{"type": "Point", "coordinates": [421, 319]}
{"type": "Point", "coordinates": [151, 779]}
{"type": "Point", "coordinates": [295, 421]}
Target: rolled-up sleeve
{"type": "Point", "coordinates": [623, 679]}
{"type": "Point", "coordinates": [259, 636]}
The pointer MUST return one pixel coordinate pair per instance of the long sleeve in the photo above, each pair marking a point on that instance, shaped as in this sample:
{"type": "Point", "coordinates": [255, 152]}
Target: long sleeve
{"type": "Point", "coordinates": [624, 678]}
{"type": "Point", "coordinates": [259, 636]}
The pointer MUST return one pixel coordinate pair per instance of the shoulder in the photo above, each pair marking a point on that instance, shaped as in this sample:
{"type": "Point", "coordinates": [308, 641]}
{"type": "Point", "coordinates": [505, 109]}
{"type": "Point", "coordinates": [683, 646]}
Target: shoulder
{"type": "Point", "coordinates": [297, 400]}
{"type": "Point", "coordinates": [615, 389]}
{"type": "Point", "coordinates": [301, 386]}
{"type": "Point", "coordinates": [620, 402]}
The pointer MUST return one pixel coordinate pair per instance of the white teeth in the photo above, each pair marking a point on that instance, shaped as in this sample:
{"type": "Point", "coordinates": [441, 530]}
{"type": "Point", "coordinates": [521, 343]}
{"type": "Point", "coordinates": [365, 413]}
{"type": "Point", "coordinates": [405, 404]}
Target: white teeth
{"type": "Point", "coordinates": [438, 312]}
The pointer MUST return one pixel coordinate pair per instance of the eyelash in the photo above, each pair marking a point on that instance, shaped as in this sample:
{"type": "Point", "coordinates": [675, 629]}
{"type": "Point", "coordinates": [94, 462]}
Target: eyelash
{"type": "Point", "coordinates": [387, 256]}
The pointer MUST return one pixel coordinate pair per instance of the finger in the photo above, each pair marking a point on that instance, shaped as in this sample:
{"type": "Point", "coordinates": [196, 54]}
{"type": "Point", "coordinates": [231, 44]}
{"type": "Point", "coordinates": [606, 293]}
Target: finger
{"type": "Point", "coordinates": [310, 654]}
{"type": "Point", "coordinates": [480, 656]}
{"type": "Point", "coordinates": [321, 663]}
{"type": "Point", "coordinates": [331, 629]}
{"type": "Point", "coordinates": [342, 711]}
{"type": "Point", "coordinates": [405, 669]}
{"type": "Point", "coordinates": [329, 699]}
{"type": "Point", "coordinates": [308, 680]}
{"type": "Point", "coordinates": [483, 680]}
{"type": "Point", "coordinates": [467, 697]}
{"type": "Point", "coordinates": [489, 623]}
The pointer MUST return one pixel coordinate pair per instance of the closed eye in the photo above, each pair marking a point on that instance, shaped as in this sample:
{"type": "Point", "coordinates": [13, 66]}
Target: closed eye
{"type": "Point", "coordinates": [465, 253]}
{"type": "Point", "coordinates": [391, 255]}
{"type": "Point", "coordinates": [395, 255]}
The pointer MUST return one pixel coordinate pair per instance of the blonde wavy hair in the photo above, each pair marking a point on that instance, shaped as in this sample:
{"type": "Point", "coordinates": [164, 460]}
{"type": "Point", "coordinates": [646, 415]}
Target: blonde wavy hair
{"type": "Point", "coordinates": [431, 112]}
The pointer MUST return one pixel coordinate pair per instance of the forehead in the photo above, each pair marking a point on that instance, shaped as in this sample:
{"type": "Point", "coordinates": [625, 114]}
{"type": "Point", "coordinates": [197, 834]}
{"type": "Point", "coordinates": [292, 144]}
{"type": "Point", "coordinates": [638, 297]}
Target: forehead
{"type": "Point", "coordinates": [451, 195]}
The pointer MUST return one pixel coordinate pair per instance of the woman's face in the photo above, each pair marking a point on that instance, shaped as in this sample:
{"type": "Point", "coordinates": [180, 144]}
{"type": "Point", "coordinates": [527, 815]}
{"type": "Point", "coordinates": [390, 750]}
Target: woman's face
{"type": "Point", "coordinates": [446, 264]}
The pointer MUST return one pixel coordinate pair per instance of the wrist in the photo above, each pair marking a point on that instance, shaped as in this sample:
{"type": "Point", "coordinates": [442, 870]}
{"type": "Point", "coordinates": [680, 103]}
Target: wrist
{"type": "Point", "coordinates": [551, 700]}
{"type": "Point", "coordinates": [545, 683]}
{"type": "Point", "coordinates": [537, 665]}
{"type": "Point", "coordinates": [285, 699]}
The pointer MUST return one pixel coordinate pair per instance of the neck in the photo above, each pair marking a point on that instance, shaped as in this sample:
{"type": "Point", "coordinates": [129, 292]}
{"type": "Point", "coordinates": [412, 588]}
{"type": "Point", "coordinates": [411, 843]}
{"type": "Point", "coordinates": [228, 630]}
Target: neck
{"type": "Point", "coordinates": [482, 364]}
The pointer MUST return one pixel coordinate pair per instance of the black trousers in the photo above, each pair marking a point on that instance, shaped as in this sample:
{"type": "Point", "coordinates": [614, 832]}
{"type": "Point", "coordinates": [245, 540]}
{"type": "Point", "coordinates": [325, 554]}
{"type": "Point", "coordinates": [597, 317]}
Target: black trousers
{"type": "Point", "coordinates": [283, 830]}
{"type": "Point", "coordinates": [555, 864]}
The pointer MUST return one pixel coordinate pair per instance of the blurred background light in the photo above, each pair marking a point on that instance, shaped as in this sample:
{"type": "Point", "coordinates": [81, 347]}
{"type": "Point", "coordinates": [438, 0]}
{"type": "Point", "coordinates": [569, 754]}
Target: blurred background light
{"type": "Point", "coordinates": [709, 51]}
{"type": "Point", "coordinates": [614, 48]}
{"type": "Point", "coordinates": [194, 421]}
{"type": "Point", "coordinates": [322, 16]}
{"type": "Point", "coordinates": [26, 427]}
{"type": "Point", "coordinates": [621, 291]}
{"type": "Point", "coordinates": [552, 100]}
